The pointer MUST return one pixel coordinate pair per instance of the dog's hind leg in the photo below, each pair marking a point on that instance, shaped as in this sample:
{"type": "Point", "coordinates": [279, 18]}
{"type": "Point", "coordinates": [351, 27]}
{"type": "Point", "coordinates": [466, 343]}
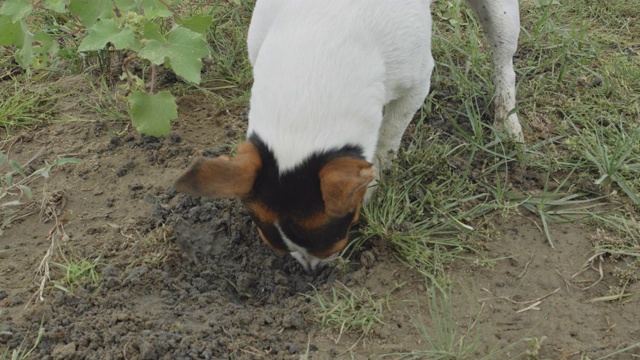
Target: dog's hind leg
{"type": "Point", "coordinates": [501, 21]}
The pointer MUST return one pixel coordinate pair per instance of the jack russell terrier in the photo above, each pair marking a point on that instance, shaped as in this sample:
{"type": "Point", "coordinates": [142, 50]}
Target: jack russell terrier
{"type": "Point", "coordinates": [335, 85]}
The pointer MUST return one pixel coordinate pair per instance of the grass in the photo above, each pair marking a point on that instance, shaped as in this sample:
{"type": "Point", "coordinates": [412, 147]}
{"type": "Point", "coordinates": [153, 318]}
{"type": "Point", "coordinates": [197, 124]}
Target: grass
{"type": "Point", "coordinates": [22, 352]}
{"type": "Point", "coordinates": [76, 273]}
{"type": "Point", "coordinates": [578, 81]}
{"type": "Point", "coordinates": [229, 72]}
{"type": "Point", "coordinates": [348, 311]}
{"type": "Point", "coordinates": [441, 338]}
{"type": "Point", "coordinates": [436, 208]}
{"type": "Point", "coordinates": [21, 108]}
{"type": "Point", "coordinates": [423, 207]}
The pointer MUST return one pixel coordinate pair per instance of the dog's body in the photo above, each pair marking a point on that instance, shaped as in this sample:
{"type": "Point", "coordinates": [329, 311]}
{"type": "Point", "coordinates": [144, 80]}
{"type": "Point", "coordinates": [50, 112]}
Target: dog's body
{"type": "Point", "coordinates": [341, 61]}
{"type": "Point", "coordinates": [335, 85]}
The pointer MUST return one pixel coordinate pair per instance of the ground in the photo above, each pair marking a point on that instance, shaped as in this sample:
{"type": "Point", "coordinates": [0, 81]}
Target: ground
{"type": "Point", "coordinates": [178, 277]}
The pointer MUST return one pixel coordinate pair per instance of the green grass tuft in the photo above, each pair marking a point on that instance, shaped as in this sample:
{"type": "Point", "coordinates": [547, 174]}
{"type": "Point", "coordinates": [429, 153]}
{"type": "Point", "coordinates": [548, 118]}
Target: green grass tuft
{"type": "Point", "coordinates": [21, 108]}
{"type": "Point", "coordinates": [347, 311]}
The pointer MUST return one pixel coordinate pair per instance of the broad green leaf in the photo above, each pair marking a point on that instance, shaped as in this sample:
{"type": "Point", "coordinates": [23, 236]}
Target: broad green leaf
{"type": "Point", "coordinates": [17, 168]}
{"type": "Point", "coordinates": [62, 161]}
{"type": "Point", "coordinates": [43, 47]}
{"type": "Point", "coordinates": [107, 31]}
{"type": "Point", "coordinates": [150, 31]}
{"type": "Point", "coordinates": [184, 49]}
{"type": "Point", "coordinates": [3, 158]}
{"type": "Point", "coordinates": [10, 32]}
{"type": "Point", "coordinates": [91, 10]}
{"type": "Point", "coordinates": [152, 114]}
{"type": "Point", "coordinates": [16, 9]}
{"type": "Point", "coordinates": [124, 6]}
{"type": "Point", "coordinates": [154, 9]}
{"type": "Point", "coordinates": [24, 56]}
{"type": "Point", "coordinates": [55, 5]}
{"type": "Point", "coordinates": [198, 23]}
{"type": "Point", "coordinates": [26, 191]}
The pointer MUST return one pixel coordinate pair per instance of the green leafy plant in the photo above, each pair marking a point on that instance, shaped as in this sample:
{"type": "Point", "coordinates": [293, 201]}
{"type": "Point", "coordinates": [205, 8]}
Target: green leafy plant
{"type": "Point", "coordinates": [348, 311]}
{"type": "Point", "coordinates": [14, 186]}
{"type": "Point", "coordinates": [22, 352]}
{"type": "Point", "coordinates": [617, 162]}
{"type": "Point", "coordinates": [149, 31]}
{"type": "Point", "coordinates": [77, 273]}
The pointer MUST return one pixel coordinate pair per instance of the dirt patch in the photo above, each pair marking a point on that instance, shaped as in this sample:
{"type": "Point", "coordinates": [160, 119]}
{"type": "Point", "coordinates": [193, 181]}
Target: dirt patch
{"type": "Point", "coordinates": [184, 277]}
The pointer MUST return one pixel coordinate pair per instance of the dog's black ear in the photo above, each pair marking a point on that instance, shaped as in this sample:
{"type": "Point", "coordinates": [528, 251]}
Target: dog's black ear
{"type": "Point", "coordinates": [343, 182]}
{"type": "Point", "coordinates": [222, 177]}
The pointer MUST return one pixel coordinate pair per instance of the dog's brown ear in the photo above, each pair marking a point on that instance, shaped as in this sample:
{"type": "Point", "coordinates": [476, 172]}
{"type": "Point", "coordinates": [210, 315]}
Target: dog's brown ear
{"type": "Point", "coordinates": [222, 177]}
{"type": "Point", "coordinates": [343, 182]}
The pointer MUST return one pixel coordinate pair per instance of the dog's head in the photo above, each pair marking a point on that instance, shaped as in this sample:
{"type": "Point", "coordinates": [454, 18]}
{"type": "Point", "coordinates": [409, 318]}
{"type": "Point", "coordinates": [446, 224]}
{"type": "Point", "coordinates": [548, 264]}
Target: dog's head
{"type": "Point", "coordinates": [307, 211]}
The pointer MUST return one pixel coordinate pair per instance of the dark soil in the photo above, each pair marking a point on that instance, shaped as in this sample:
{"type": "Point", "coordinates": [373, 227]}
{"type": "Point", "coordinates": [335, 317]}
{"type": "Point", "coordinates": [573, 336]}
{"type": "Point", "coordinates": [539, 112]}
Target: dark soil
{"type": "Point", "coordinates": [188, 278]}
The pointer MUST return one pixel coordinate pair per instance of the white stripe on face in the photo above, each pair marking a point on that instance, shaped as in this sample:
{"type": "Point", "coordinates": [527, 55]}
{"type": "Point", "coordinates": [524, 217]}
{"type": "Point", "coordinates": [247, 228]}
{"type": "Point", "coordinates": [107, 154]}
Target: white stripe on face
{"type": "Point", "coordinates": [308, 261]}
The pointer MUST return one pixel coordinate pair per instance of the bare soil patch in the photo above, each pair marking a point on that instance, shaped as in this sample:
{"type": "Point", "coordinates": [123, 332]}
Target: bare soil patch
{"type": "Point", "coordinates": [183, 277]}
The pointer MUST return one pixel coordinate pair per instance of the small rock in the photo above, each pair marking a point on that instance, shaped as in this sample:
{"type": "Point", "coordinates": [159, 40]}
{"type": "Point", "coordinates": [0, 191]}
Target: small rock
{"type": "Point", "coordinates": [293, 348]}
{"type": "Point", "coordinates": [150, 198]}
{"type": "Point", "coordinates": [135, 187]}
{"type": "Point", "coordinates": [111, 282]}
{"type": "Point", "coordinates": [293, 321]}
{"type": "Point", "coordinates": [64, 351]}
{"type": "Point", "coordinates": [281, 279]}
{"type": "Point", "coordinates": [111, 271]}
{"type": "Point", "coordinates": [129, 165]}
{"type": "Point", "coordinates": [367, 259]}
{"type": "Point", "coordinates": [17, 300]}
{"type": "Point", "coordinates": [148, 139]}
{"type": "Point", "coordinates": [3, 294]}
{"type": "Point", "coordinates": [147, 351]}
{"type": "Point", "coordinates": [244, 282]}
{"type": "Point", "coordinates": [115, 141]}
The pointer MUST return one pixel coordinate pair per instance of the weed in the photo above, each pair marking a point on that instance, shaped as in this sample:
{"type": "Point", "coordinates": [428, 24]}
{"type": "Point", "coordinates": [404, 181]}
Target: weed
{"type": "Point", "coordinates": [23, 353]}
{"type": "Point", "coordinates": [348, 311]}
{"type": "Point", "coordinates": [155, 247]}
{"type": "Point", "coordinates": [231, 74]}
{"type": "Point", "coordinates": [442, 339]}
{"type": "Point", "coordinates": [22, 108]}
{"type": "Point", "coordinates": [15, 184]}
{"type": "Point", "coordinates": [617, 158]}
{"type": "Point", "coordinates": [77, 273]}
{"type": "Point", "coordinates": [110, 104]}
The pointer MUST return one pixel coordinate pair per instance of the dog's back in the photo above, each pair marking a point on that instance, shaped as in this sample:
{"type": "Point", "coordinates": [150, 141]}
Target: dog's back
{"type": "Point", "coordinates": [323, 70]}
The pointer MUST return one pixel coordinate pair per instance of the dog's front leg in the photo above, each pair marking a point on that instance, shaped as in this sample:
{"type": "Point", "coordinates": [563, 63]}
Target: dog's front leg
{"type": "Point", "coordinates": [501, 21]}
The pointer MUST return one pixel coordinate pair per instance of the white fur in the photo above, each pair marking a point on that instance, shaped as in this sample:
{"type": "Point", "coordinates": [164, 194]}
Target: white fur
{"type": "Point", "coordinates": [328, 73]}
{"type": "Point", "coordinates": [501, 22]}
{"type": "Point", "coordinates": [324, 70]}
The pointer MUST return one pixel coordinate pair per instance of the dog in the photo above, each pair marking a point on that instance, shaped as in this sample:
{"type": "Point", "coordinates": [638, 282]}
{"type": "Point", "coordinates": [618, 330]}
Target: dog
{"type": "Point", "coordinates": [336, 83]}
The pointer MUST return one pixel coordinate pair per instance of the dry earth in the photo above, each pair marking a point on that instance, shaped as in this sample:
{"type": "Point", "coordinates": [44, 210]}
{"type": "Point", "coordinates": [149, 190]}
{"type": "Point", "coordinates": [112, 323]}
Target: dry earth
{"type": "Point", "coordinates": [183, 277]}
